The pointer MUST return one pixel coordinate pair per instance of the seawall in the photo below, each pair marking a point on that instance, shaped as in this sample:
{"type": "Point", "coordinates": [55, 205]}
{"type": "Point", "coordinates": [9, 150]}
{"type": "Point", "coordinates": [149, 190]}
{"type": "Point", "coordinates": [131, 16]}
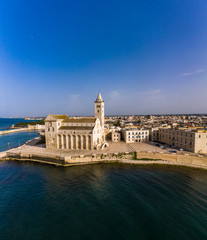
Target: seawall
{"type": "Point", "coordinates": [180, 159]}
{"type": "Point", "coordinates": [13, 131]}
{"type": "Point", "coordinates": [197, 161]}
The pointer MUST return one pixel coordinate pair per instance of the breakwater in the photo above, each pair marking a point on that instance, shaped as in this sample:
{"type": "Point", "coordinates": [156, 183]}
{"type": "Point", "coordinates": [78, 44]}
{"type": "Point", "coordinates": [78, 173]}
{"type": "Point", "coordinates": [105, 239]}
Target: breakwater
{"type": "Point", "coordinates": [13, 131]}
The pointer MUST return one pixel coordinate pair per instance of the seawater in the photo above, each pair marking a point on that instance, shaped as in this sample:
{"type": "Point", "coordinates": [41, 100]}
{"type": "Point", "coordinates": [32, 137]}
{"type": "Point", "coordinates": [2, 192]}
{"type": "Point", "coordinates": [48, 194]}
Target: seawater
{"type": "Point", "coordinates": [14, 140]}
{"type": "Point", "coordinates": [105, 201]}
{"type": "Point", "coordinates": [8, 122]}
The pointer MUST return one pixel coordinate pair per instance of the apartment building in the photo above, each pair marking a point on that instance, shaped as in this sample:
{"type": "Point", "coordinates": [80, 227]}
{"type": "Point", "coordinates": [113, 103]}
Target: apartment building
{"type": "Point", "coordinates": [190, 140]}
{"type": "Point", "coordinates": [132, 135]}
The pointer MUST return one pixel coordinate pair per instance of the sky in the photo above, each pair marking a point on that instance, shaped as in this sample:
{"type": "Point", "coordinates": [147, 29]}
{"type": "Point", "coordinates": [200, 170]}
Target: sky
{"type": "Point", "coordinates": [144, 56]}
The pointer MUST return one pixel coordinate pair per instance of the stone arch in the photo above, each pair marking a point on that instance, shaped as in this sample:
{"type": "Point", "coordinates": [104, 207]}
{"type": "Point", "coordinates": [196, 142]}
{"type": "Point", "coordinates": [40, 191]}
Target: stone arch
{"type": "Point", "coordinates": [89, 142]}
{"type": "Point", "coordinates": [64, 142]}
{"type": "Point", "coordinates": [69, 142]}
{"type": "Point", "coordinates": [59, 142]}
{"type": "Point", "coordinates": [84, 142]}
{"type": "Point", "coordinates": [79, 142]}
{"type": "Point", "coordinates": [74, 142]}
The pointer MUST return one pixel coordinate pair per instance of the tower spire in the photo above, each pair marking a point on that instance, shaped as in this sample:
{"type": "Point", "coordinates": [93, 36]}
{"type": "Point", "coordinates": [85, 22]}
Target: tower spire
{"type": "Point", "coordinates": [99, 98]}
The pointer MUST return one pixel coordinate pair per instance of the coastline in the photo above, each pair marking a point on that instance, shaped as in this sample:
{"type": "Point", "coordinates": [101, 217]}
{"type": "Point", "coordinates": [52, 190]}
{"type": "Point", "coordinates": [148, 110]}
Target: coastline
{"type": "Point", "coordinates": [9, 131]}
{"type": "Point", "coordinates": [108, 161]}
{"type": "Point", "coordinates": [123, 161]}
{"type": "Point", "coordinates": [31, 152]}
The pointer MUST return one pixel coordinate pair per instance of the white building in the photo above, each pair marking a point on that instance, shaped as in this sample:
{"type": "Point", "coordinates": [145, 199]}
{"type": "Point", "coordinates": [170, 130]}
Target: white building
{"type": "Point", "coordinates": [187, 139]}
{"type": "Point", "coordinates": [135, 135]}
{"type": "Point", "coordinates": [63, 132]}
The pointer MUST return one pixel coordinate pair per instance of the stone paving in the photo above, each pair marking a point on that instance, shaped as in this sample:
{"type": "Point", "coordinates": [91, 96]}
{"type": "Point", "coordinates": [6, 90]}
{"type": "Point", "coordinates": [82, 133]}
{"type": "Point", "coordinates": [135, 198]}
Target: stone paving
{"type": "Point", "coordinates": [120, 147]}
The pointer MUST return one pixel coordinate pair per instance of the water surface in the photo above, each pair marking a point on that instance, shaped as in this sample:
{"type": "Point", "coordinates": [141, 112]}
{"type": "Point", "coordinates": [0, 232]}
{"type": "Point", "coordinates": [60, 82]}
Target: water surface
{"type": "Point", "coordinates": [104, 201]}
{"type": "Point", "coordinates": [6, 123]}
{"type": "Point", "coordinates": [13, 140]}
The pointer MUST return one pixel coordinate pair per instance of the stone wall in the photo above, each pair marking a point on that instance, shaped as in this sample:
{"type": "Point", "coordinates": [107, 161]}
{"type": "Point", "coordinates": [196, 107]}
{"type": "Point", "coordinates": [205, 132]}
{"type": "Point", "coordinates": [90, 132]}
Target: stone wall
{"type": "Point", "coordinates": [189, 159]}
{"type": "Point", "coordinates": [171, 158]}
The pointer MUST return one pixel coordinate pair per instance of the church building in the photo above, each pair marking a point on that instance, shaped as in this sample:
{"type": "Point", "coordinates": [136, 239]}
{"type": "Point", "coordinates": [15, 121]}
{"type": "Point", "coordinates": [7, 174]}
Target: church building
{"type": "Point", "coordinates": [83, 133]}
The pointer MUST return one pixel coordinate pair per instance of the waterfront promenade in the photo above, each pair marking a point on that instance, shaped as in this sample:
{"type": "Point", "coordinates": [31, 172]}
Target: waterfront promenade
{"type": "Point", "coordinates": [119, 147]}
{"type": "Point", "coordinates": [134, 153]}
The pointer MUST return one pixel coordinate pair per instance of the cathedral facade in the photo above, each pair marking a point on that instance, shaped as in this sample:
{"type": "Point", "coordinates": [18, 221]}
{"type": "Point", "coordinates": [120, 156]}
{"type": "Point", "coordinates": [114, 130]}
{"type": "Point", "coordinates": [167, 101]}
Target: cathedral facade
{"type": "Point", "coordinates": [81, 133]}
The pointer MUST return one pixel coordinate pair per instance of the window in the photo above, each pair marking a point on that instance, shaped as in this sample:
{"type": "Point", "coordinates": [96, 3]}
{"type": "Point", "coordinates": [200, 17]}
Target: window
{"type": "Point", "coordinates": [199, 136]}
{"type": "Point", "coordinates": [48, 129]}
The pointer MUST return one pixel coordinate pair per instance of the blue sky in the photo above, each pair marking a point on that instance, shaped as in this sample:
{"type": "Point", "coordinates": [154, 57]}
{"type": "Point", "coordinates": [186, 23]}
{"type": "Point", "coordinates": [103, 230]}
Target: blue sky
{"type": "Point", "coordinates": [145, 56]}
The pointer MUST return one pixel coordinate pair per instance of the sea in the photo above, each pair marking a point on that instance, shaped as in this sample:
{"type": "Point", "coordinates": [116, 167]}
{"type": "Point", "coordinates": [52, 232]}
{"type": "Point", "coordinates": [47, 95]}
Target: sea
{"type": "Point", "coordinates": [14, 140]}
{"type": "Point", "coordinates": [102, 202]}
{"type": "Point", "coordinates": [99, 202]}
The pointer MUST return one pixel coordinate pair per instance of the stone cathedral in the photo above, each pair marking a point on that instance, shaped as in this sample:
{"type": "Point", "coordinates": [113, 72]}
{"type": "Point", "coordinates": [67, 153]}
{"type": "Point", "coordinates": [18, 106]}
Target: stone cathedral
{"type": "Point", "coordinates": [85, 133]}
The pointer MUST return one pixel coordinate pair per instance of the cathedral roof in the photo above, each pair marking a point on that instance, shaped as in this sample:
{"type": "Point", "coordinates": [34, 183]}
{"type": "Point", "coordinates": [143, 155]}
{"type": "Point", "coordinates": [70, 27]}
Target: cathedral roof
{"type": "Point", "coordinates": [76, 128]}
{"type": "Point", "coordinates": [80, 120]}
{"type": "Point", "coordinates": [64, 116]}
{"type": "Point", "coordinates": [99, 98]}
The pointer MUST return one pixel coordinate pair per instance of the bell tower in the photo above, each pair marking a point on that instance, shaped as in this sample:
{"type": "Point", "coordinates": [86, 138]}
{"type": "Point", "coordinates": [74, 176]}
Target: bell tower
{"type": "Point", "coordinates": [99, 109]}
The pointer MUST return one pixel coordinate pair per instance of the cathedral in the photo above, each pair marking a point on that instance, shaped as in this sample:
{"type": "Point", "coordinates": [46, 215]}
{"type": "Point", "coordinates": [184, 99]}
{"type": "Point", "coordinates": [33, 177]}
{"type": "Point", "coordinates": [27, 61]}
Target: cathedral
{"type": "Point", "coordinates": [83, 133]}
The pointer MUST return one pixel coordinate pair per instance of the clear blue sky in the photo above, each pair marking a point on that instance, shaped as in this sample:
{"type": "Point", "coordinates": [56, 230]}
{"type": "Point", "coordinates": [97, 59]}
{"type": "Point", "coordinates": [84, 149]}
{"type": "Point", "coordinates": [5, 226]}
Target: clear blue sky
{"type": "Point", "coordinates": [145, 56]}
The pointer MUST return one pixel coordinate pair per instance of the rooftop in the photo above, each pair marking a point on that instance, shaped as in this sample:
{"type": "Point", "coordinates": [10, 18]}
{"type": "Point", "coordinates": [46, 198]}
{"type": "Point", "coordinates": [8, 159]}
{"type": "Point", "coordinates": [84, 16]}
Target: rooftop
{"type": "Point", "coordinates": [79, 120]}
{"type": "Point", "coordinates": [88, 128]}
{"type": "Point", "coordinates": [64, 116]}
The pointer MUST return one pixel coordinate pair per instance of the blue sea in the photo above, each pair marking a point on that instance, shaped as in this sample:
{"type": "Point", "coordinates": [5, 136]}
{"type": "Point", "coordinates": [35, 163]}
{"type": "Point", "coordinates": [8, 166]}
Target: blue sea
{"type": "Point", "coordinates": [102, 202]}
{"type": "Point", "coordinates": [98, 202]}
{"type": "Point", "coordinates": [13, 140]}
{"type": "Point", "coordinates": [8, 122]}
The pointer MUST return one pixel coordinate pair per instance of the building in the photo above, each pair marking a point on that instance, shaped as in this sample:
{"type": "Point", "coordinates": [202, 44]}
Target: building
{"type": "Point", "coordinates": [154, 132]}
{"type": "Point", "coordinates": [36, 127]}
{"type": "Point", "coordinates": [87, 133]}
{"type": "Point", "coordinates": [190, 140]}
{"type": "Point", "coordinates": [132, 135]}
{"type": "Point", "coordinates": [115, 136]}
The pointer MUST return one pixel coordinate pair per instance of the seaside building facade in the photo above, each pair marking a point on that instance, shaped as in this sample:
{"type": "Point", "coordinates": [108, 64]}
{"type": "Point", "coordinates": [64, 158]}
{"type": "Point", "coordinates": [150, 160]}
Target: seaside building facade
{"type": "Point", "coordinates": [80, 133]}
{"type": "Point", "coordinates": [190, 140]}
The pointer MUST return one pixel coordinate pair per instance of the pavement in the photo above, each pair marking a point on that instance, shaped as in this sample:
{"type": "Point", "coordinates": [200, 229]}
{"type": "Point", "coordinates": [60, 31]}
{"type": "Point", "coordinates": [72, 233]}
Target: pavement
{"type": "Point", "coordinates": [119, 147]}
